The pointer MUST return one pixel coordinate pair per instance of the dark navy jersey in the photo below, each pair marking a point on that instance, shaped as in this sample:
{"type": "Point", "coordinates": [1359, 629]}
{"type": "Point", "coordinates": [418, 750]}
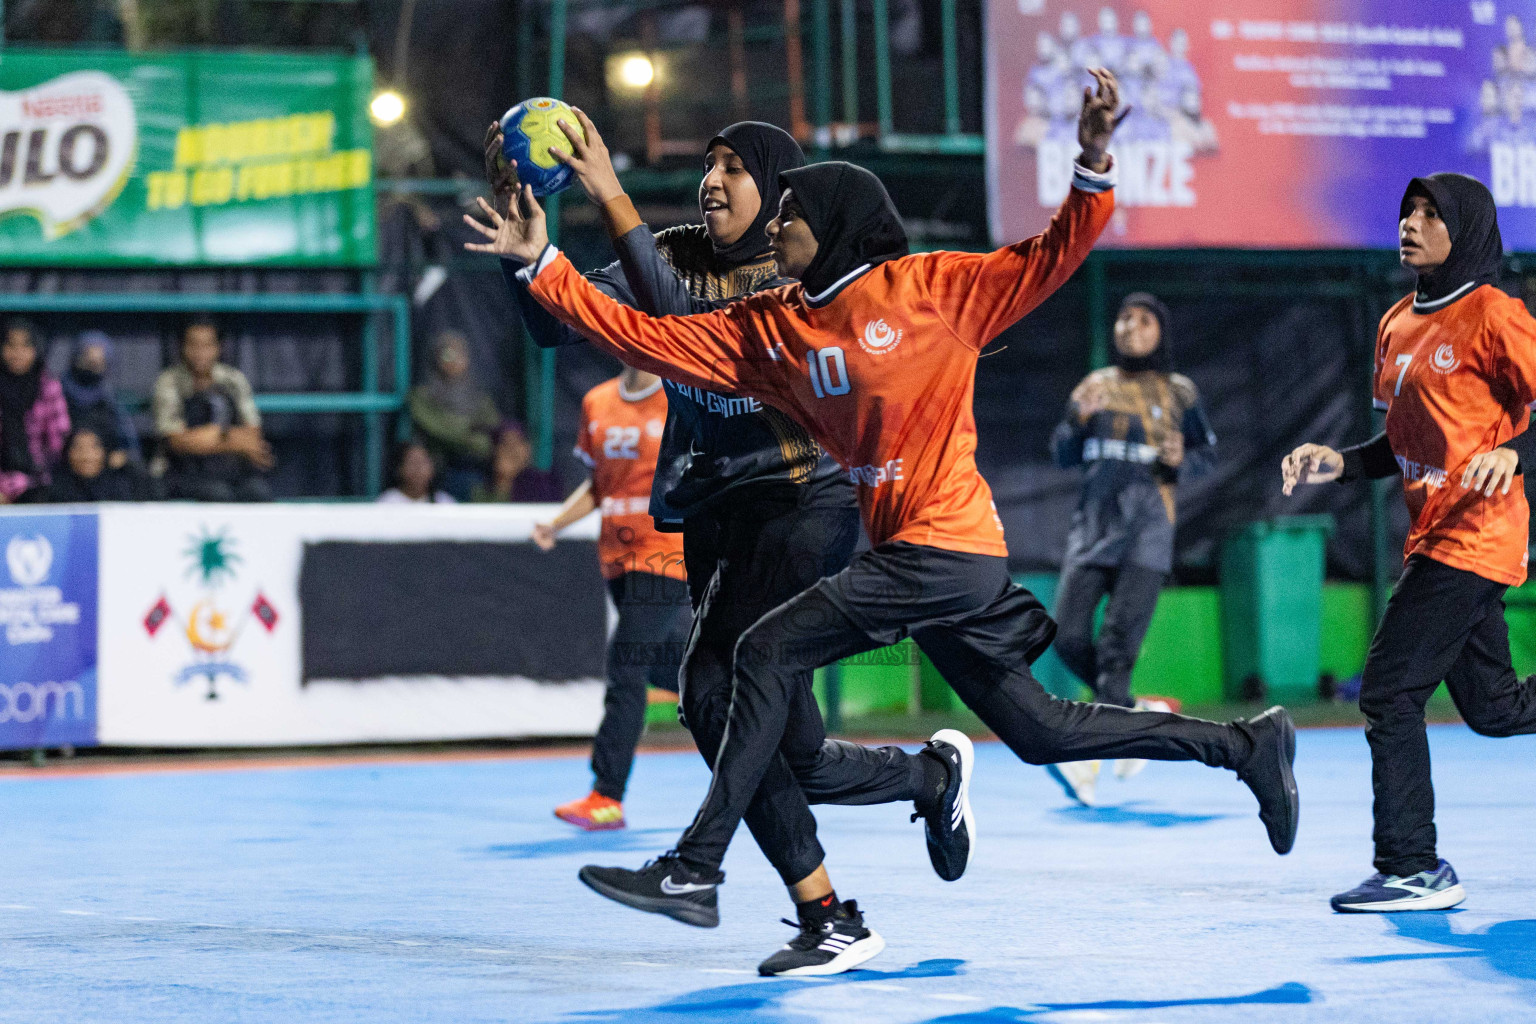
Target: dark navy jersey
{"type": "Point", "coordinates": [1126, 511]}
{"type": "Point", "coordinates": [717, 447]}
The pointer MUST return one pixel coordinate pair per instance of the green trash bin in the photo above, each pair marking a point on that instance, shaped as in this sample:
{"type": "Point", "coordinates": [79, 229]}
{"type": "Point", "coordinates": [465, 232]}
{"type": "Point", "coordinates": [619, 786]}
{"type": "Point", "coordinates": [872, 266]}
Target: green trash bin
{"type": "Point", "coordinates": [1272, 608]}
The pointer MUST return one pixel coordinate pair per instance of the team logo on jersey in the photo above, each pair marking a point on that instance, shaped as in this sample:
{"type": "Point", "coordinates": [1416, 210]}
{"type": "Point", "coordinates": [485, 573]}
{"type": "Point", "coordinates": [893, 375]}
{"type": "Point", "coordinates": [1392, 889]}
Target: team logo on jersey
{"type": "Point", "coordinates": [653, 428]}
{"type": "Point", "coordinates": [879, 337]}
{"type": "Point", "coordinates": [1444, 360]}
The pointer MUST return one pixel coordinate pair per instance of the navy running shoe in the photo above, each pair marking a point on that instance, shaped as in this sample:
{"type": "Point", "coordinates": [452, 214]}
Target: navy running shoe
{"type": "Point", "coordinates": [1384, 894]}
{"type": "Point", "coordinates": [664, 886]}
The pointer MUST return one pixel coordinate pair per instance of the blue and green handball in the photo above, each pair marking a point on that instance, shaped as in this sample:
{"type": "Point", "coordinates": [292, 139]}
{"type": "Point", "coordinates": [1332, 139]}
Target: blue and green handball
{"type": "Point", "coordinates": [527, 132]}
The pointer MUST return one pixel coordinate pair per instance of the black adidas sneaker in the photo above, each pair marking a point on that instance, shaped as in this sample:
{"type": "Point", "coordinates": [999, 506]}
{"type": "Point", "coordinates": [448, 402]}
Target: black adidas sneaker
{"type": "Point", "coordinates": [951, 827]}
{"type": "Point", "coordinates": [664, 886]}
{"type": "Point", "coordinates": [831, 947]}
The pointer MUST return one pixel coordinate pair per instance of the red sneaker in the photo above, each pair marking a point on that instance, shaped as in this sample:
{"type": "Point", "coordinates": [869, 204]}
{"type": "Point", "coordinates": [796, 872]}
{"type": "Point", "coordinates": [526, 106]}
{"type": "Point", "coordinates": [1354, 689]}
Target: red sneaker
{"type": "Point", "coordinates": [593, 812]}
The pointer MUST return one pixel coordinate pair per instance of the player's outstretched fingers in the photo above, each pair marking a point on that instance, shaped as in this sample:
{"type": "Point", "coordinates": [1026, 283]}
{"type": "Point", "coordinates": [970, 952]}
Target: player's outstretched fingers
{"type": "Point", "coordinates": [484, 230]}
{"type": "Point", "coordinates": [490, 211]}
{"type": "Point", "coordinates": [594, 138]}
{"type": "Point", "coordinates": [577, 140]}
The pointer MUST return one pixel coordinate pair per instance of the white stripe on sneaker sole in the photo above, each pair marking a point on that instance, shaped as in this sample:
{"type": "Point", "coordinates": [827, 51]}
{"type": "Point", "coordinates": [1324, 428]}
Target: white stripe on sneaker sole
{"type": "Point", "coordinates": [962, 743]}
{"type": "Point", "coordinates": [1441, 900]}
{"type": "Point", "coordinates": [860, 951]}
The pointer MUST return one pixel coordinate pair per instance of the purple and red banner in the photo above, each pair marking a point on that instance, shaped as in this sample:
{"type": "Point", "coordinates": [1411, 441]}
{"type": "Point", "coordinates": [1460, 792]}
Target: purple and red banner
{"type": "Point", "coordinates": [1264, 123]}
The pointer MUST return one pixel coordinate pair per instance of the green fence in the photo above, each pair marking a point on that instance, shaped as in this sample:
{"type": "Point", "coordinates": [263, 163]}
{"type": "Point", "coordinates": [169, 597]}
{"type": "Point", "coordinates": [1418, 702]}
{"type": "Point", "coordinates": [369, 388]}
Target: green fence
{"type": "Point", "coordinates": [373, 402]}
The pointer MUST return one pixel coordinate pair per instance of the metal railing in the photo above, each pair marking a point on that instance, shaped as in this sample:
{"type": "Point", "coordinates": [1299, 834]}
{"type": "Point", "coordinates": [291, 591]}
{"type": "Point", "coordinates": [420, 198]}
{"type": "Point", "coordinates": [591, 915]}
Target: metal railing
{"type": "Point", "coordinates": [372, 402]}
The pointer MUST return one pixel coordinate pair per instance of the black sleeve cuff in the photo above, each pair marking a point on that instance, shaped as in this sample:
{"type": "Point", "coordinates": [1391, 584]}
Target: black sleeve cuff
{"type": "Point", "coordinates": [1372, 460]}
{"type": "Point", "coordinates": [1523, 444]}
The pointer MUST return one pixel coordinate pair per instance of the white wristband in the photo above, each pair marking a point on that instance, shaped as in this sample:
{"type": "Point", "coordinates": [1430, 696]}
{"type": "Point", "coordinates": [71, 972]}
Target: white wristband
{"type": "Point", "coordinates": [533, 270]}
{"type": "Point", "coordinates": [1085, 180]}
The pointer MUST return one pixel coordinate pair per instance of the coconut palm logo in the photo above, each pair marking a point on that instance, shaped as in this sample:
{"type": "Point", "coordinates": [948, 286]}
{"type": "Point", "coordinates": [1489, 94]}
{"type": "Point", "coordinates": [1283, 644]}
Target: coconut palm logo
{"type": "Point", "coordinates": [210, 628]}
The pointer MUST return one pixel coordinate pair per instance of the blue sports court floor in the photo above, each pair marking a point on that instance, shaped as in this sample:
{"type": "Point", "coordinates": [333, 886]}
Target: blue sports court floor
{"type": "Point", "coordinates": [427, 892]}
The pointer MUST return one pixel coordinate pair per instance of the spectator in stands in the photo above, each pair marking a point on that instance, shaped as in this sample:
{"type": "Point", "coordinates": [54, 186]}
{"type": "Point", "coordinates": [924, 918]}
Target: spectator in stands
{"type": "Point", "coordinates": [513, 477]}
{"type": "Point", "coordinates": [415, 478]}
{"type": "Point", "coordinates": [92, 402]}
{"type": "Point", "coordinates": [34, 418]}
{"type": "Point", "coordinates": [205, 414]}
{"type": "Point", "coordinates": [88, 475]}
{"type": "Point", "coordinates": [455, 417]}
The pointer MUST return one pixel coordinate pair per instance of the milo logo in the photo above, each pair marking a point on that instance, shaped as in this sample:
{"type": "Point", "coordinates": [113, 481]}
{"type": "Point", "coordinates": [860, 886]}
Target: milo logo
{"type": "Point", "coordinates": [66, 147]}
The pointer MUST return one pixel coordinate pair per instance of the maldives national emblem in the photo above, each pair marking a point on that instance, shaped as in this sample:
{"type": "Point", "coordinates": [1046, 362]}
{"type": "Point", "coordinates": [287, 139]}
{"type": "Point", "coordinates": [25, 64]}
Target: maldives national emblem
{"type": "Point", "coordinates": [212, 624]}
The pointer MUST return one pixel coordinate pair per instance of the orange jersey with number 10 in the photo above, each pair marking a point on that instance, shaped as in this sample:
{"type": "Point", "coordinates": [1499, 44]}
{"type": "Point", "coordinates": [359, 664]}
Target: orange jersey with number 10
{"type": "Point", "coordinates": [882, 373]}
{"type": "Point", "coordinates": [620, 440]}
{"type": "Point", "coordinates": [1456, 381]}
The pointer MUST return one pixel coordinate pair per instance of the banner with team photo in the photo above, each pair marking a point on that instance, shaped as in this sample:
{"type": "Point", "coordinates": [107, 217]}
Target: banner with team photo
{"type": "Point", "coordinates": [48, 615]}
{"type": "Point", "coordinates": [143, 159]}
{"type": "Point", "coordinates": [1264, 123]}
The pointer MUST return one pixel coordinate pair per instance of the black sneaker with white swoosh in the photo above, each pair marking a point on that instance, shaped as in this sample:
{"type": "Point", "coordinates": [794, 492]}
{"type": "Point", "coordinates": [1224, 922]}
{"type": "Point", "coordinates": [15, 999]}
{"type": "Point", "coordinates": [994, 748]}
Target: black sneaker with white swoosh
{"type": "Point", "coordinates": [828, 947]}
{"type": "Point", "coordinates": [951, 827]}
{"type": "Point", "coordinates": [665, 885]}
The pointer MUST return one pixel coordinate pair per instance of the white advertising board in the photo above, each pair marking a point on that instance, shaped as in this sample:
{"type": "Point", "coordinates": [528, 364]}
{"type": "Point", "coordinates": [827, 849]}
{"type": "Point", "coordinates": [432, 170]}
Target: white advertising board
{"type": "Point", "coordinates": [200, 642]}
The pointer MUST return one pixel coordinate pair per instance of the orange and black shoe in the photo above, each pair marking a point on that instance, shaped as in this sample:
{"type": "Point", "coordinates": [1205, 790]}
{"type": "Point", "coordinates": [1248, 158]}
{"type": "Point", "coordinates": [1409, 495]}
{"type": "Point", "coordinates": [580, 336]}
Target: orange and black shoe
{"type": "Point", "coordinates": [593, 812]}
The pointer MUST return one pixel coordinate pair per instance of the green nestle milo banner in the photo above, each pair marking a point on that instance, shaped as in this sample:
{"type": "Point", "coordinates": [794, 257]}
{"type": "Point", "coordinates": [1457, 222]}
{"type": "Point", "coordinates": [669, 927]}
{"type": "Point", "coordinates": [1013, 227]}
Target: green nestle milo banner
{"type": "Point", "coordinates": [116, 159]}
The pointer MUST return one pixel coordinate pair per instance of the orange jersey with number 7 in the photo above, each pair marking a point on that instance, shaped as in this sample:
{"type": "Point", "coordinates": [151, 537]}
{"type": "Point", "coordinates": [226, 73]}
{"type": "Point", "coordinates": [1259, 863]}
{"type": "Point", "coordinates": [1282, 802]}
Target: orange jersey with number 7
{"type": "Point", "coordinates": [882, 372]}
{"type": "Point", "coordinates": [1455, 382]}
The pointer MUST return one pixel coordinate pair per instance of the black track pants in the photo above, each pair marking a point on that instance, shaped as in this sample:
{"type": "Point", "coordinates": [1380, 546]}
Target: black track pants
{"type": "Point", "coordinates": [981, 631]}
{"type": "Point", "coordinates": [741, 568]}
{"type": "Point", "coordinates": [1441, 623]}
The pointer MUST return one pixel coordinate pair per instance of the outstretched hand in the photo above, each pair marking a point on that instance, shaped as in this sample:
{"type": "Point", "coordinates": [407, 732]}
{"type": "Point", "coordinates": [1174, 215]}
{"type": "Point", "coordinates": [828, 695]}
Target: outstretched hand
{"type": "Point", "coordinates": [500, 173]}
{"type": "Point", "coordinates": [1310, 464]}
{"type": "Point", "coordinates": [1098, 120]}
{"type": "Point", "coordinates": [589, 158]}
{"type": "Point", "coordinates": [521, 235]}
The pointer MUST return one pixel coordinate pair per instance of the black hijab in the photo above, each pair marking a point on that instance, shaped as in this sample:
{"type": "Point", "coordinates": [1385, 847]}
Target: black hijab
{"type": "Point", "coordinates": [852, 217]}
{"type": "Point", "coordinates": [1477, 250]}
{"type": "Point", "coordinates": [18, 393]}
{"type": "Point", "coordinates": [766, 151]}
{"type": "Point", "coordinates": [1160, 358]}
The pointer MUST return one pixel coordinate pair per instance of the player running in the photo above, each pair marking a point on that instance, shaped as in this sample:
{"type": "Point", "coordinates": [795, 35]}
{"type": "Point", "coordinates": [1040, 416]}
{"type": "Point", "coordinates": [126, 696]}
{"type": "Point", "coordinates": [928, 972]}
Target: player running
{"type": "Point", "coordinates": [764, 513]}
{"type": "Point", "coordinates": [875, 353]}
{"type": "Point", "coordinates": [1138, 429]}
{"type": "Point", "coordinates": [1455, 372]}
{"type": "Point", "coordinates": [621, 424]}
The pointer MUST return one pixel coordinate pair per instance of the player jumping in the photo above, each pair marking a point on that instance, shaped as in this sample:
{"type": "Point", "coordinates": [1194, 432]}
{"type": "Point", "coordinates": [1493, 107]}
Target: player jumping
{"type": "Point", "coordinates": [764, 513]}
{"type": "Point", "coordinates": [875, 353]}
{"type": "Point", "coordinates": [1455, 372]}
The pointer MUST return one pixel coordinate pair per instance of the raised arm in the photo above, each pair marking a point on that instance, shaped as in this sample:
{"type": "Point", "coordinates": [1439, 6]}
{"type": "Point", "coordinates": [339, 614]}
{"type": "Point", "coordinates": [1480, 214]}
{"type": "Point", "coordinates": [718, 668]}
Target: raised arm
{"type": "Point", "coordinates": [546, 330]}
{"type": "Point", "coordinates": [981, 294]}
